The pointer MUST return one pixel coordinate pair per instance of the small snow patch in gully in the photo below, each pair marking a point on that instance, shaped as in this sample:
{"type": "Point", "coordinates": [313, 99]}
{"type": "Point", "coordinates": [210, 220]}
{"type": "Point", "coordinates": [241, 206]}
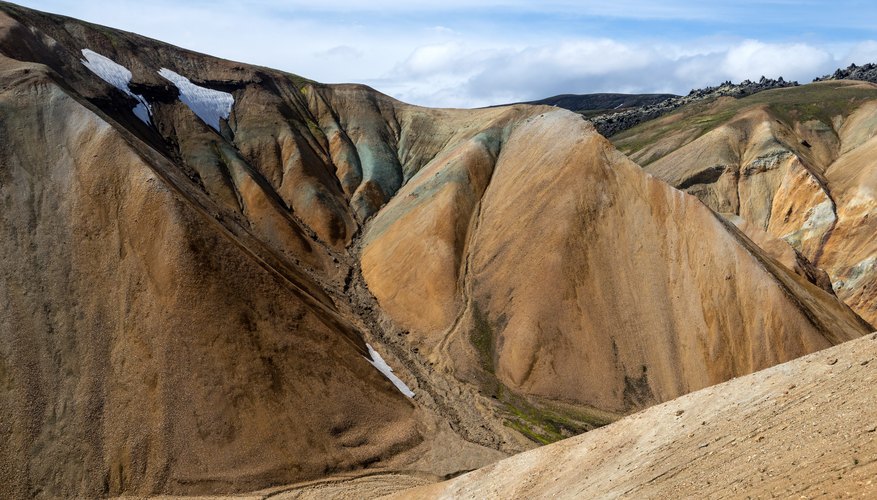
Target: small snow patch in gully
{"type": "Point", "coordinates": [378, 362]}
{"type": "Point", "coordinates": [210, 105]}
{"type": "Point", "coordinates": [118, 76]}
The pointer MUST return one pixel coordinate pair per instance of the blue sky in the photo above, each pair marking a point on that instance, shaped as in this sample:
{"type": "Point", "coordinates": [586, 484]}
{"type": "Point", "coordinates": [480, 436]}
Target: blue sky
{"type": "Point", "coordinates": [467, 53]}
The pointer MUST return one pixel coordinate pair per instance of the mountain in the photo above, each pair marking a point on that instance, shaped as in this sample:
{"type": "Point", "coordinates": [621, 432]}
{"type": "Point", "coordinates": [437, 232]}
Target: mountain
{"type": "Point", "coordinates": [792, 162]}
{"type": "Point", "coordinates": [803, 428]}
{"type": "Point", "coordinates": [220, 278]}
{"type": "Point", "coordinates": [593, 104]}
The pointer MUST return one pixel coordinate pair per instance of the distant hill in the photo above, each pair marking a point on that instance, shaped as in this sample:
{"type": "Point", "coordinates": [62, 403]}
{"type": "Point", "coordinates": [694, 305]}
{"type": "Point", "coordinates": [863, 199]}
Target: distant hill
{"type": "Point", "coordinates": [591, 104]}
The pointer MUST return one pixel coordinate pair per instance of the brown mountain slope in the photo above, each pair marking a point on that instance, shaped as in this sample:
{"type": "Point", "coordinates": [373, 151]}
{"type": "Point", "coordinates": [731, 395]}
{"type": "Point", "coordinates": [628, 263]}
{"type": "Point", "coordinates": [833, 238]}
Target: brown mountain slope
{"type": "Point", "coordinates": [143, 350]}
{"type": "Point", "coordinates": [794, 162]}
{"type": "Point", "coordinates": [805, 428]}
{"type": "Point", "coordinates": [150, 345]}
{"type": "Point", "coordinates": [185, 305]}
{"type": "Point", "coordinates": [569, 319]}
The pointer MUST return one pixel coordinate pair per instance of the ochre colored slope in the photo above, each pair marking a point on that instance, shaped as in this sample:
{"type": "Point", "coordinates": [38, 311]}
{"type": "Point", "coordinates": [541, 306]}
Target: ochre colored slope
{"type": "Point", "coordinates": [559, 286]}
{"type": "Point", "coordinates": [142, 351]}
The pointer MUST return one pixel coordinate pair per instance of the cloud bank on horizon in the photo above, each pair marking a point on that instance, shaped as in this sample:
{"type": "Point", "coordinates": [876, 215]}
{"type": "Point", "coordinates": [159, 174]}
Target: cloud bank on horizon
{"type": "Point", "coordinates": [464, 54]}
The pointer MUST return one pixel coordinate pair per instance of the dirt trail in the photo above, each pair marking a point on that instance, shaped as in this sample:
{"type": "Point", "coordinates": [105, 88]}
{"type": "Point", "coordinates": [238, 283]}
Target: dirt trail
{"type": "Point", "coordinates": [474, 417]}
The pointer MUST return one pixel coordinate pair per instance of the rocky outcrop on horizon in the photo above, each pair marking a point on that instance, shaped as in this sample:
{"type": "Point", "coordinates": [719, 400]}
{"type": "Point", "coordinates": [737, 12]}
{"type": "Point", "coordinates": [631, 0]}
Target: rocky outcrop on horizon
{"type": "Point", "coordinates": [610, 124]}
{"type": "Point", "coordinates": [865, 73]}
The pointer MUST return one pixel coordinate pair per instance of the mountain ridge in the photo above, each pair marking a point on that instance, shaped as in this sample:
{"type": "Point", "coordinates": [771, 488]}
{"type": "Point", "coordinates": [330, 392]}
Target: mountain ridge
{"type": "Point", "coordinates": [192, 305]}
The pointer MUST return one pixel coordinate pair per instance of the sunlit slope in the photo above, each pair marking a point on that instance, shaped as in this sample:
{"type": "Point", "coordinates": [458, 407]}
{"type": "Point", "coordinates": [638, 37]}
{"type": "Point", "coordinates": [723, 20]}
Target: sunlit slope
{"type": "Point", "coordinates": [795, 162]}
{"type": "Point", "coordinates": [578, 278]}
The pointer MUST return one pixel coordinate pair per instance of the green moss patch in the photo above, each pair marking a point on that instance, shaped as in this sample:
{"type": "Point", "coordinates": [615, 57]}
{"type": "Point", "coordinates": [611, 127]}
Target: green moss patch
{"type": "Point", "coordinates": [545, 422]}
{"type": "Point", "coordinates": [482, 339]}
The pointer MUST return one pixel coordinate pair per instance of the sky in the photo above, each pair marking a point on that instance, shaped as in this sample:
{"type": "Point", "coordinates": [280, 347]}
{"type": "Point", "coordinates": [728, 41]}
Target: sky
{"type": "Point", "coordinates": [458, 53]}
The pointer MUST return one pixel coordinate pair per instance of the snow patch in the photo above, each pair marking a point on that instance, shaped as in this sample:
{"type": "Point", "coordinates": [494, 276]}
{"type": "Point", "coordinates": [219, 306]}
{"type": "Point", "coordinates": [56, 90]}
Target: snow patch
{"type": "Point", "coordinates": [210, 105]}
{"type": "Point", "coordinates": [378, 362]}
{"type": "Point", "coordinates": [118, 76]}
{"type": "Point", "coordinates": [142, 110]}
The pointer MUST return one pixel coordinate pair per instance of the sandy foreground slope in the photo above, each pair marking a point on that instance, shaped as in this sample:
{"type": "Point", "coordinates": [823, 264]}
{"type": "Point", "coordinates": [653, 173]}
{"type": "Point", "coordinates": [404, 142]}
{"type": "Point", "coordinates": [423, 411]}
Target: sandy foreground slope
{"type": "Point", "coordinates": [805, 428]}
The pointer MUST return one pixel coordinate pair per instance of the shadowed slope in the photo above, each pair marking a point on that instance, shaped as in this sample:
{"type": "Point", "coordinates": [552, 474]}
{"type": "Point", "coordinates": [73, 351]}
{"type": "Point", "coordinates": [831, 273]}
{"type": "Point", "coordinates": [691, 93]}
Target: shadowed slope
{"type": "Point", "coordinates": [143, 351]}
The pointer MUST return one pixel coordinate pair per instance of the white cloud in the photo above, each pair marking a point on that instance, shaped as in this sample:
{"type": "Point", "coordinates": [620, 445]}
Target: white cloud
{"type": "Point", "coordinates": [752, 59]}
{"type": "Point", "coordinates": [862, 53]}
{"type": "Point", "coordinates": [459, 74]}
{"type": "Point", "coordinates": [436, 59]}
{"type": "Point", "coordinates": [340, 52]}
{"type": "Point", "coordinates": [493, 51]}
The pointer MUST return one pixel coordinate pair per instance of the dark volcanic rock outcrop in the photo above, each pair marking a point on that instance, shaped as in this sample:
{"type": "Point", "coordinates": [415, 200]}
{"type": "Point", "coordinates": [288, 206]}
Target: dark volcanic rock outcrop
{"type": "Point", "coordinates": [864, 73]}
{"type": "Point", "coordinates": [610, 124]}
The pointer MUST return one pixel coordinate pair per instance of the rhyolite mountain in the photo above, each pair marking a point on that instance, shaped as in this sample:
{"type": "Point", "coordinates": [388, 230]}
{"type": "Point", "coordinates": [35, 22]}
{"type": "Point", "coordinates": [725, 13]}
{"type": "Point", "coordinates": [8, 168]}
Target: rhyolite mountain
{"type": "Point", "coordinates": [209, 269]}
{"type": "Point", "coordinates": [794, 163]}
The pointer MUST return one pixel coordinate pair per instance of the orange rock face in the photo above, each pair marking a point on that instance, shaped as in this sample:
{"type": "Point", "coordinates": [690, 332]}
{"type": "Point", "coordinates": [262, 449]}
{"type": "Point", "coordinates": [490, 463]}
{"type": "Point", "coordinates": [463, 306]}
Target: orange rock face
{"type": "Point", "coordinates": [560, 272]}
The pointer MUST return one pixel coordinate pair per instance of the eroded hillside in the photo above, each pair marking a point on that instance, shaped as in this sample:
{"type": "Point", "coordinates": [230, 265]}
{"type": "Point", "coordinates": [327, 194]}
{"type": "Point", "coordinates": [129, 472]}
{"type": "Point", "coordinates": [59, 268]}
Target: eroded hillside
{"type": "Point", "coordinates": [793, 162]}
{"type": "Point", "coordinates": [205, 256]}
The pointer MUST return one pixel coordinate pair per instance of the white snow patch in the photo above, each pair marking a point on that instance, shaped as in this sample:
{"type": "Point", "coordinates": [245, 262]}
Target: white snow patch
{"type": "Point", "coordinates": [118, 76]}
{"type": "Point", "coordinates": [210, 105]}
{"type": "Point", "coordinates": [141, 110]}
{"type": "Point", "coordinates": [378, 362]}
